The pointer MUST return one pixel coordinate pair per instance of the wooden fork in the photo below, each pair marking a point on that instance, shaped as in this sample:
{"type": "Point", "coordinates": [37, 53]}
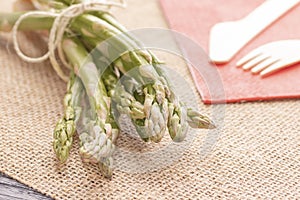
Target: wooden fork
{"type": "Point", "coordinates": [271, 57]}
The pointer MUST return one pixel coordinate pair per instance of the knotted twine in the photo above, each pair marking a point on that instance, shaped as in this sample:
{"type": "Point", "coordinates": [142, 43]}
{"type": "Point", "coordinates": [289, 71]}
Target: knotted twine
{"type": "Point", "coordinates": [58, 28]}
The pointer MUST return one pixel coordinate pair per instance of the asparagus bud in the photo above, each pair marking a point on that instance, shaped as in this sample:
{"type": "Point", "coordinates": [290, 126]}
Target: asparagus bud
{"type": "Point", "coordinates": [65, 127]}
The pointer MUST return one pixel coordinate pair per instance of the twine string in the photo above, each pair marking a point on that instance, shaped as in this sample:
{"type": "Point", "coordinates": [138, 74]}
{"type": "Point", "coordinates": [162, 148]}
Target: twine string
{"type": "Point", "coordinates": [58, 28]}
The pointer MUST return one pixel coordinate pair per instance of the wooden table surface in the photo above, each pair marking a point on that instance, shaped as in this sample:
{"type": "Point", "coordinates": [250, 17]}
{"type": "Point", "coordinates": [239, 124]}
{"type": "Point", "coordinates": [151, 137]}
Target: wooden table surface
{"type": "Point", "coordinates": [13, 190]}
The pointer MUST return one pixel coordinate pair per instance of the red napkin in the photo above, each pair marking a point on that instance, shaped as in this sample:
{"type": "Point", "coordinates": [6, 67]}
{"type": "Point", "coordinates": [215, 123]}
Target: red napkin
{"type": "Point", "coordinates": [195, 18]}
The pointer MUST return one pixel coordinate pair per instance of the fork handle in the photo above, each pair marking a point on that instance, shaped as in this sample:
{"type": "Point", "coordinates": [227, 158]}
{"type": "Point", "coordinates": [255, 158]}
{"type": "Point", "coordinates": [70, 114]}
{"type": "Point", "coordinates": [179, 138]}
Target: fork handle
{"type": "Point", "coordinates": [266, 14]}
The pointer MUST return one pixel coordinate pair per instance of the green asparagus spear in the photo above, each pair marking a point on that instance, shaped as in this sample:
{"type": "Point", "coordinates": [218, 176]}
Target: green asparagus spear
{"type": "Point", "coordinates": [65, 127]}
{"type": "Point", "coordinates": [97, 142]}
{"type": "Point", "coordinates": [95, 146]}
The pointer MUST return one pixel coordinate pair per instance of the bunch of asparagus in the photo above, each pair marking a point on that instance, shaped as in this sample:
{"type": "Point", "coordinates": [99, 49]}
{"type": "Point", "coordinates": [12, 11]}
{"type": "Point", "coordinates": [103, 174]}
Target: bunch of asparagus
{"type": "Point", "coordinates": [111, 75]}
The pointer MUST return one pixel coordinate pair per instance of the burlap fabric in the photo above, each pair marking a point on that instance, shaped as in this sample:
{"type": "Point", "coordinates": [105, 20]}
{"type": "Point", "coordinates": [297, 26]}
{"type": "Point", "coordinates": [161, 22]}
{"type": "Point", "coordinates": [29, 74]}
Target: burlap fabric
{"type": "Point", "coordinates": [256, 156]}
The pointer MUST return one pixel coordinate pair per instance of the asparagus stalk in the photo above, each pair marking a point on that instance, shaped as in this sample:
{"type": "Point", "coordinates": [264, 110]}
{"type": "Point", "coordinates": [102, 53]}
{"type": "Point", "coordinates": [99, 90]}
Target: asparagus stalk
{"type": "Point", "coordinates": [109, 78]}
{"type": "Point", "coordinates": [65, 127]}
{"type": "Point", "coordinates": [7, 21]}
{"type": "Point", "coordinates": [97, 142]}
{"type": "Point", "coordinates": [92, 140]}
{"type": "Point", "coordinates": [52, 5]}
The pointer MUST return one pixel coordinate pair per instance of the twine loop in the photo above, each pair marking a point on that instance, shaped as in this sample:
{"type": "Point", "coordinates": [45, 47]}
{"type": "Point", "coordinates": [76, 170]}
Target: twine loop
{"type": "Point", "coordinates": [59, 27]}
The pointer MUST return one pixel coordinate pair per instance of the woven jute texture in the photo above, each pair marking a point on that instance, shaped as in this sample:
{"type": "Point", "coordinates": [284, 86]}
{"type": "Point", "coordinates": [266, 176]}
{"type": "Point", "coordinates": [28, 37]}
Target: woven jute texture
{"type": "Point", "coordinates": [256, 154]}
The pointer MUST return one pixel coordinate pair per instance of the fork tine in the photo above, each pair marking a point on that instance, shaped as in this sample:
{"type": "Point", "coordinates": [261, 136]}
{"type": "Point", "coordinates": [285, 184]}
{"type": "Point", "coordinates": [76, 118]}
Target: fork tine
{"type": "Point", "coordinates": [278, 65]}
{"type": "Point", "coordinates": [270, 69]}
{"type": "Point", "coordinates": [248, 57]}
{"type": "Point", "coordinates": [263, 65]}
{"type": "Point", "coordinates": [271, 57]}
{"type": "Point", "coordinates": [255, 61]}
